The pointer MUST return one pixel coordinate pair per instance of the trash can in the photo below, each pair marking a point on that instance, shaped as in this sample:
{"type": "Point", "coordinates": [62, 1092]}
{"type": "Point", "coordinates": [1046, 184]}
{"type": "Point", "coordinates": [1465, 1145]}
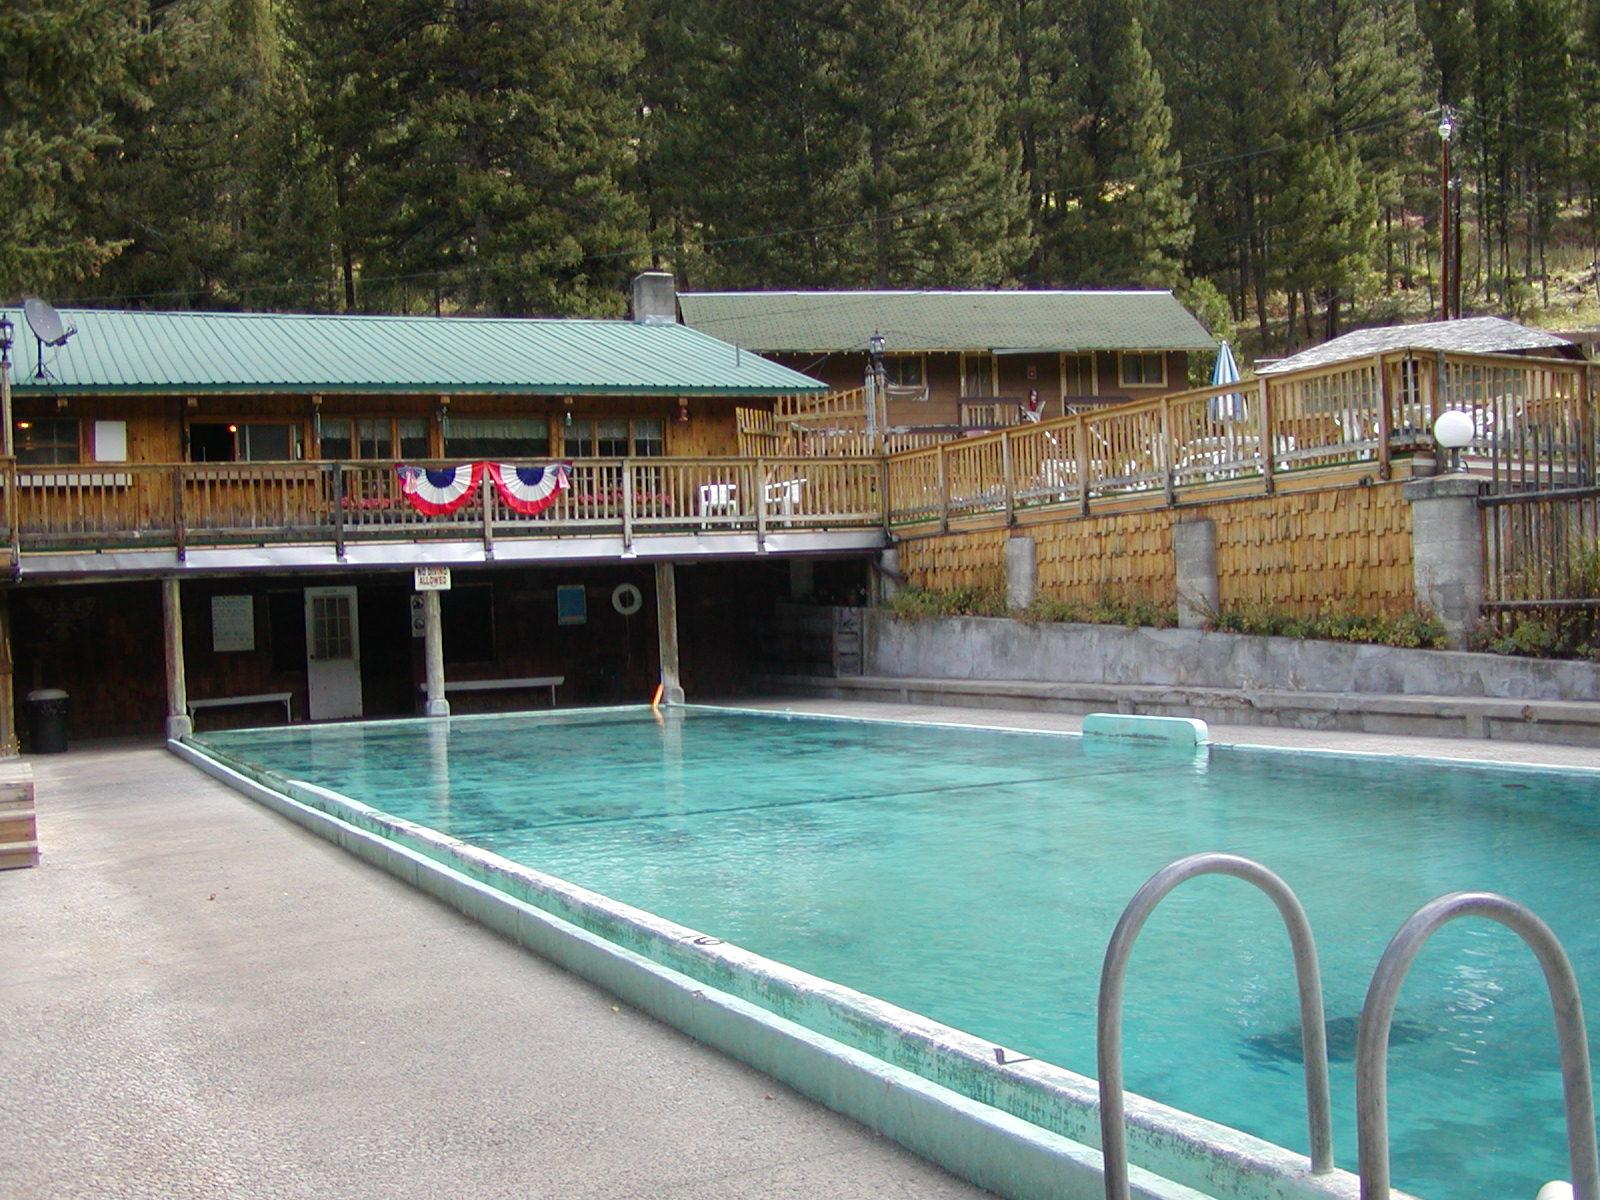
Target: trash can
{"type": "Point", "coordinates": [47, 716]}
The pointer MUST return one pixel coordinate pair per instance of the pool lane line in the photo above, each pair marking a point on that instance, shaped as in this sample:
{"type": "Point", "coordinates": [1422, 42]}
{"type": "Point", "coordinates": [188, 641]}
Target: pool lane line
{"type": "Point", "coordinates": [870, 797]}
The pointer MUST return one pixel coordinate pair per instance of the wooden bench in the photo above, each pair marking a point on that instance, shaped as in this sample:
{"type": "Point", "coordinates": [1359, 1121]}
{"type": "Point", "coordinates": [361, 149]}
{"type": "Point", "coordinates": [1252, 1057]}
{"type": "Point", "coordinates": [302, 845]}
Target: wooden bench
{"type": "Point", "coordinates": [284, 698]}
{"type": "Point", "coordinates": [501, 685]}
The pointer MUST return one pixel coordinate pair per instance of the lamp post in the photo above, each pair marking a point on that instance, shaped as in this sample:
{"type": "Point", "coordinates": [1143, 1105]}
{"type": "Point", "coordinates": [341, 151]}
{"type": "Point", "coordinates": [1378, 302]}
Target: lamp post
{"type": "Point", "coordinates": [6, 331]}
{"type": "Point", "coordinates": [1453, 432]}
{"type": "Point", "coordinates": [1447, 127]}
{"type": "Point", "coordinates": [875, 368]}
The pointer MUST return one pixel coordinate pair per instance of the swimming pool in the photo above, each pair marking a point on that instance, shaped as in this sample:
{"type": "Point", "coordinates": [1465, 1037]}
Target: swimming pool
{"type": "Point", "coordinates": [975, 876]}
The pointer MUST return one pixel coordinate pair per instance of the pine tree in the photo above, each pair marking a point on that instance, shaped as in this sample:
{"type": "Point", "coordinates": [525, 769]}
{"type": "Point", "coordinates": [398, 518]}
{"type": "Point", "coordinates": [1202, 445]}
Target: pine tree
{"type": "Point", "coordinates": [479, 151]}
{"type": "Point", "coordinates": [924, 82]}
{"type": "Point", "coordinates": [216, 205]}
{"type": "Point", "coordinates": [66, 62]}
{"type": "Point", "coordinates": [1128, 223]}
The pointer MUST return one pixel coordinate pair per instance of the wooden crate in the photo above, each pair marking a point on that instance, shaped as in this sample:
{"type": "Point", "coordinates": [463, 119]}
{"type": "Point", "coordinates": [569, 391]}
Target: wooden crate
{"type": "Point", "coordinates": [19, 836]}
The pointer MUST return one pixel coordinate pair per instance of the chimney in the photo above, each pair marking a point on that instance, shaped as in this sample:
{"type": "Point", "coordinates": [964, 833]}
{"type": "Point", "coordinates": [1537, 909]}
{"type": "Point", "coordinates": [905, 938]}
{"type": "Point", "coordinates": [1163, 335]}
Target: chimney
{"type": "Point", "coordinates": [655, 298]}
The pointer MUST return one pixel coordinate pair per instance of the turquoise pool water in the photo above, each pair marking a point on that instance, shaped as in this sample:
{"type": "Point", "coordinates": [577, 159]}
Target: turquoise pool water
{"type": "Point", "coordinates": [975, 877]}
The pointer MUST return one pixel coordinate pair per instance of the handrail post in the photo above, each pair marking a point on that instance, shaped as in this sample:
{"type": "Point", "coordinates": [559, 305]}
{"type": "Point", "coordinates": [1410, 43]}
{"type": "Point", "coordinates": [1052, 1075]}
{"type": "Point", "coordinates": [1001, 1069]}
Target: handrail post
{"type": "Point", "coordinates": [883, 494]}
{"type": "Point", "coordinates": [13, 518]}
{"type": "Point", "coordinates": [486, 493]}
{"type": "Point", "coordinates": [1006, 480]}
{"type": "Point", "coordinates": [761, 505]}
{"type": "Point", "coordinates": [1168, 451]}
{"type": "Point", "coordinates": [1081, 427]}
{"type": "Point", "coordinates": [1268, 449]}
{"type": "Point", "coordinates": [1372, 1035]}
{"type": "Point", "coordinates": [180, 534]}
{"type": "Point", "coordinates": [1113, 973]}
{"type": "Point", "coordinates": [336, 471]}
{"type": "Point", "coordinates": [944, 488]}
{"type": "Point", "coordinates": [627, 506]}
{"type": "Point", "coordinates": [1385, 417]}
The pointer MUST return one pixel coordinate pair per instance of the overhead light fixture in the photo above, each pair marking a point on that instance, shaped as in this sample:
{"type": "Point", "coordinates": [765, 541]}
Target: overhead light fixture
{"type": "Point", "coordinates": [1447, 123]}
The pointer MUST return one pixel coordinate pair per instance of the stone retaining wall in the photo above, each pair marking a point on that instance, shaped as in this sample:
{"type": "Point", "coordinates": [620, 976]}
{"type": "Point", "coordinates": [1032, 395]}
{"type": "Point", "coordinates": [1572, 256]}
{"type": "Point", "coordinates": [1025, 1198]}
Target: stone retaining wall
{"type": "Point", "coordinates": [1000, 648]}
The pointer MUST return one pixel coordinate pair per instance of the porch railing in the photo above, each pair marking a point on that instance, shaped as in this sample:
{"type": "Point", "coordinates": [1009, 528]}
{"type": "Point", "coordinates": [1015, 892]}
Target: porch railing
{"type": "Point", "coordinates": [109, 506]}
{"type": "Point", "coordinates": [1535, 420]}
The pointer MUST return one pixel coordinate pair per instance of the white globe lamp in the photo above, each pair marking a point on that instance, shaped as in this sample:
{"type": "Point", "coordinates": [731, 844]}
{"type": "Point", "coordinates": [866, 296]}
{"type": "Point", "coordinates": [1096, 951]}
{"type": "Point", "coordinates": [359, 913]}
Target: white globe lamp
{"type": "Point", "coordinates": [1453, 431]}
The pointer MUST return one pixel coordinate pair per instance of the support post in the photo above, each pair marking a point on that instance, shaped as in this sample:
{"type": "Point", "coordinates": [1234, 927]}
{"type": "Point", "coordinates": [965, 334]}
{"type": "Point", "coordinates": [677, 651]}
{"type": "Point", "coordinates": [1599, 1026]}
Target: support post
{"type": "Point", "coordinates": [1006, 477]}
{"type": "Point", "coordinates": [1447, 550]}
{"type": "Point", "coordinates": [1194, 549]}
{"type": "Point", "coordinates": [1022, 572]}
{"type": "Point", "coordinates": [1266, 436]}
{"type": "Point", "coordinates": [9, 746]}
{"type": "Point", "coordinates": [667, 631]}
{"type": "Point", "coordinates": [179, 723]}
{"type": "Point", "coordinates": [433, 656]}
{"type": "Point", "coordinates": [1385, 417]}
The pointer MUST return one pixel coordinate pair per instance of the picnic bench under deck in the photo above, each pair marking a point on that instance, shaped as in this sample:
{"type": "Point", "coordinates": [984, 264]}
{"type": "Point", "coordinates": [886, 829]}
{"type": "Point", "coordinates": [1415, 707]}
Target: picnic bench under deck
{"type": "Point", "coordinates": [284, 698]}
{"type": "Point", "coordinates": [501, 685]}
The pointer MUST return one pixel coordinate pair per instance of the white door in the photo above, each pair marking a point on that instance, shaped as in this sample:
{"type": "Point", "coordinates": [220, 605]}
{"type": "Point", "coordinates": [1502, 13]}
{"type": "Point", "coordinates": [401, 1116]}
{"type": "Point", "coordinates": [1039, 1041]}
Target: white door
{"type": "Point", "coordinates": [333, 653]}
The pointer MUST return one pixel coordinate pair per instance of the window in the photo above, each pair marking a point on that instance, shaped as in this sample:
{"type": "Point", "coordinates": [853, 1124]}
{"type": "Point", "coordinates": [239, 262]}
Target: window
{"type": "Point", "coordinates": [46, 443]}
{"type": "Point", "coordinates": [616, 438]}
{"type": "Point", "coordinates": [977, 374]}
{"type": "Point", "coordinates": [905, 370]}
{"type": "Point", "coordinates": [1143, 369]}
{"type": "Point", "coordinates": [1077, 375]}
{"type": "Point", "coordinates": [389, 438]}
{"type": "Point", "coordinates": [237, 441]}
{"type": "Point", "coordinates": [497, 437]}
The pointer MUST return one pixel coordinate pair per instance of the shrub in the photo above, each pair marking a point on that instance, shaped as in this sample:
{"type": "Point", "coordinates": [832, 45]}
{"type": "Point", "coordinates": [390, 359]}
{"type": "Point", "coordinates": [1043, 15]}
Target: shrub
{"type": "Point", "coordinates": [1418, 628]}
{"type": "Point", "coordinates": [919, 604]}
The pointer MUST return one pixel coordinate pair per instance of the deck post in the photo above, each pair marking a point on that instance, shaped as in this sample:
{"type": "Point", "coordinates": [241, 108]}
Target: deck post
{"type": "Point", "coordinates": [179, 724]}
{"type": "Point", "coordinates": [9, 746]}
{"type": "Point", "coordinates": [667, 631]}
{"type": "Point", "coordinates": [433, 656]}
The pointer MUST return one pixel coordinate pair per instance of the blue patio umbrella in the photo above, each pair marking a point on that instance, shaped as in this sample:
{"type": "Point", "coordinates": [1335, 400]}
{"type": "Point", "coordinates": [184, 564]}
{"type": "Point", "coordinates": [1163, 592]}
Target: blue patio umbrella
{"type": "Point", "coordinates": [1229, 406]}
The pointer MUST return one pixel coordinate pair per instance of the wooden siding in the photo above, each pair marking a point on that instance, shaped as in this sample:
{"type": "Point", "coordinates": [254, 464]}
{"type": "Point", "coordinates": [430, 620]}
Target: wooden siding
{"type": "Point", "coordinates": [1341, 544]}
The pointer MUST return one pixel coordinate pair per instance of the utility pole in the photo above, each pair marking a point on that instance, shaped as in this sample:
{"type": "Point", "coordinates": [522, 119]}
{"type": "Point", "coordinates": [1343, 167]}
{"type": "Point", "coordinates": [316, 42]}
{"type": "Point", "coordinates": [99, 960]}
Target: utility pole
{"type": "Point", "coordinates": [1447, 126]}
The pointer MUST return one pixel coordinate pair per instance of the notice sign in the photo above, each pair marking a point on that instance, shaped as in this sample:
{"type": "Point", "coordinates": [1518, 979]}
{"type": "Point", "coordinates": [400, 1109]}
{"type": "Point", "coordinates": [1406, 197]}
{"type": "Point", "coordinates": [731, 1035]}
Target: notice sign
{"type": "Point", "coordinates": [432, 579]}
{"type": "Point", "coordinates": [233, 623]}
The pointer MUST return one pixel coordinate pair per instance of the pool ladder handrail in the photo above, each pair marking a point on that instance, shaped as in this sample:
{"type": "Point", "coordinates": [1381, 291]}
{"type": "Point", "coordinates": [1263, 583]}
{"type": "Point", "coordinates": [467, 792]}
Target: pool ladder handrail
{"type": "Point", "coordinates": [1113, 973]}
{"type": "Point", "coordinates": [1372, 1035]}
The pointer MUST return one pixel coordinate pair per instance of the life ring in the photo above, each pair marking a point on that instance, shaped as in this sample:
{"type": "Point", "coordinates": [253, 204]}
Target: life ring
{"type": "Point", "coordinates": [625, 598]}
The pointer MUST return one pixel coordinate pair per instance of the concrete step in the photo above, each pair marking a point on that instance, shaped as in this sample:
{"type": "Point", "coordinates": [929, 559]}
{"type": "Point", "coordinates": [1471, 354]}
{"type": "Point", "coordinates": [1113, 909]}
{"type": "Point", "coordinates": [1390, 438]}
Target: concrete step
{"type": "Point", "coordinates": [18, 854]}
{"type": "Point", "coordinates": [1562, 722]}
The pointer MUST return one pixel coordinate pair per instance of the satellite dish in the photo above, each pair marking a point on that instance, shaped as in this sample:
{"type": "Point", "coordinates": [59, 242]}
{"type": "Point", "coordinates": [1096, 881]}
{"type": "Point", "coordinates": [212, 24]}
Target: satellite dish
{"type": "Point", "coordinates": [45, 322]}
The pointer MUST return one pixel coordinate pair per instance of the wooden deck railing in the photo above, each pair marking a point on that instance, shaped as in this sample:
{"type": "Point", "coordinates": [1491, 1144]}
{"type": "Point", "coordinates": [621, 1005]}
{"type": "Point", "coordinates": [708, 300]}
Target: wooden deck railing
{"type": "Point", "coordinates": [110, 506]}
{"type": "Point", "coordinates": [1536, 420]}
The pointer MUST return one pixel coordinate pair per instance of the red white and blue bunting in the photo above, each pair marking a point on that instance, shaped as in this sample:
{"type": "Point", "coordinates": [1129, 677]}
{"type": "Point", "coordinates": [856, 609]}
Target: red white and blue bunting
{"type": "Point", "coordinates": [529, 490]}
{"type": "Point", "coordinates": [439, 491]}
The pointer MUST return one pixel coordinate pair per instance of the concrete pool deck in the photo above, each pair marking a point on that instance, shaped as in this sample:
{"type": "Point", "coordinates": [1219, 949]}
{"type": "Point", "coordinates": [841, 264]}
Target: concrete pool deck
{"type": "Point", "coordinates": [201, 999]}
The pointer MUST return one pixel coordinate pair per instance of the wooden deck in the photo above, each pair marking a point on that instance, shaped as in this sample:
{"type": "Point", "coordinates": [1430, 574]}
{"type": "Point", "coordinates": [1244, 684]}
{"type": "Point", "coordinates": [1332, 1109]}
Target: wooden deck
{"type": "Point", "coordinates": [189, 506]}
{"type": "Point", "coordinates": [1535, 421]}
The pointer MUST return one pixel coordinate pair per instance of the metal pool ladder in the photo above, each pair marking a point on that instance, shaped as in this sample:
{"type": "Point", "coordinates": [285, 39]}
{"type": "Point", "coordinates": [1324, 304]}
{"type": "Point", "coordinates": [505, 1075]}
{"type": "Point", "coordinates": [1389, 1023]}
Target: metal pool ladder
{"type": "Point", "coordinates": [1313, 1033]}
{"type": "Point", "coordinates": [1372, 1036]}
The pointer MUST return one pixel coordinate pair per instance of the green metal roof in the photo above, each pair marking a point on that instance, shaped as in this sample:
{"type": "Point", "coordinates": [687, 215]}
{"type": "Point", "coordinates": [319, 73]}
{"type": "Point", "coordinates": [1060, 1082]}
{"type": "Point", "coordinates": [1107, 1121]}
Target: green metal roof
{"type": "Point", "coordinates": [195, 353]}
{"type": "Point", "coordinates": [999, 321]}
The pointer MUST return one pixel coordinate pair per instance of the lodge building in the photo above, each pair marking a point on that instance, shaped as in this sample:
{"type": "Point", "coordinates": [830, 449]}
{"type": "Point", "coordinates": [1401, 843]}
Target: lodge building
{"type": "Point", "coordinates": [219, 517]}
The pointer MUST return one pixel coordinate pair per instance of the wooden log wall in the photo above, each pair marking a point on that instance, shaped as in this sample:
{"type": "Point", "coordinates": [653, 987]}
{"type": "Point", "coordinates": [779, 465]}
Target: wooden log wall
{"type": "Point", "coordinates": [1295, 552]}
